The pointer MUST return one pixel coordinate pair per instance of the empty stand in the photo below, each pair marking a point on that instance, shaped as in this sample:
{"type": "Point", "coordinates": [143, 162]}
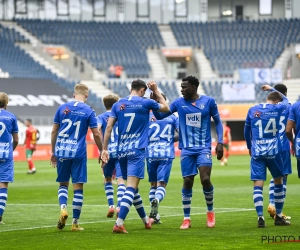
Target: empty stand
{"type": "Point", "coordinates": [102, 43]}
{"type": "Point", "coordinates": [239, 44]}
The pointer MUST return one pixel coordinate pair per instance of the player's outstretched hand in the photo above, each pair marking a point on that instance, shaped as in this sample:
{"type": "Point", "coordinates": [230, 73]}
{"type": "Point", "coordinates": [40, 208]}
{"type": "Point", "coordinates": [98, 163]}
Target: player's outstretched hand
{"type": "Point", "coordinates": [219, 151]}
{"type": "Point", "coordinates": [266, 87]}
{"type": "Point", "coordinates": [53, 161]}
{"type": "Point", "coordinates": [105, 156]}
{"type": "Point", "coordinates": [152, 86]}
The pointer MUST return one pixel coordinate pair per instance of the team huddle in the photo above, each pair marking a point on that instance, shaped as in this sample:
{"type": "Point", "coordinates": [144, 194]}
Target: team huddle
{"type": "Point", "coordinates": [135, 130]}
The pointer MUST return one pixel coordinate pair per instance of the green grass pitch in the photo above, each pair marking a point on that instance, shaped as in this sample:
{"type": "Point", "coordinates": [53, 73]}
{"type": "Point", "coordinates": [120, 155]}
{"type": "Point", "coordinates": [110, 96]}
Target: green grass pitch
{"type": "Point", "coordinates": [32, 213]}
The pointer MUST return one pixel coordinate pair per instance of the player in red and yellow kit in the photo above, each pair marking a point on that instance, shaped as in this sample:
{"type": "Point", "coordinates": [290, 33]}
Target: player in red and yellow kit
{"type": "Point", "coordinates": [31, 138]}
{"type": "Point", "coordinates": [227, 143]}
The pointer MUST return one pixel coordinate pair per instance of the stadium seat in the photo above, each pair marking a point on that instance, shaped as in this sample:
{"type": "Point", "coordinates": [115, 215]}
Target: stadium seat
{"type": "Point", "coordinates": [97, 41]}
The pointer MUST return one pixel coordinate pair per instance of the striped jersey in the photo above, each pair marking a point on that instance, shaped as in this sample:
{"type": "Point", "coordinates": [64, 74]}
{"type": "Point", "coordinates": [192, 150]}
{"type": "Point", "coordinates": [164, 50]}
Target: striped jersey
{"type": "Point", "coordinates": [132, 114]}
{"type": "Point", "coordinates": [194, 121]}
{"type": "Point", "coordinates": [264, 122]}
{"type": "Point", "coordinates": [282, 124]}
{"type": "Point", "coordinates": [161, 137]}
{"type": "Point", "coordinates": [294, 115]}
{"type": "Point", "coordinates": [8, 126]}
{"type": "Point", "coordinates": [113, 141]}
{"type": "Point", "coordinates": [74, 119]}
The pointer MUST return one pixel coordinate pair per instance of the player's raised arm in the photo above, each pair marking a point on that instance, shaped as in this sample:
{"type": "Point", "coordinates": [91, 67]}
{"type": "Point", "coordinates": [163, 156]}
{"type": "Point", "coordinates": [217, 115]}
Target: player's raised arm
{"type": "Point", "coordinates": [281, 105]}
{"type": "Point", "coordinates": [164, 107]}
{"type": "Point", "coordinates": [110, 124]}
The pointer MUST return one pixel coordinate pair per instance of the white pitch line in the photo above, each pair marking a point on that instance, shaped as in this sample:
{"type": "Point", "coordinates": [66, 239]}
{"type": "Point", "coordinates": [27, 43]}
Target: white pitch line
{"type": "Point", "coordinates": [105, 221]}
{"type": "Point", "coordinates": [90, 205]}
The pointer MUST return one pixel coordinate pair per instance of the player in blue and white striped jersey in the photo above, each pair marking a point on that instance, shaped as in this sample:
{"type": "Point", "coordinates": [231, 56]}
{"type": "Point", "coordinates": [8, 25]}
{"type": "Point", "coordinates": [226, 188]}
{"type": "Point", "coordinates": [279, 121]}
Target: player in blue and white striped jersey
{"type": "Point", "coordinates": [8, 142]}
{"type": "Point", "coordinates": [195, 112]}
{"type": "Point", "coordinates": [113, 164]}
{"type": "Point", "coordinates": [293, 128]}
{"type": "Point", "coordinates": [286, 153]}
{"type": "Point", "coordinates": [159, 155]}
{"type": "Point", "coordinates": [132, 114]}
{"type": "Point", "coordinates": [68, 141]}
{"type": "Point", "coordinates": [265, 148]}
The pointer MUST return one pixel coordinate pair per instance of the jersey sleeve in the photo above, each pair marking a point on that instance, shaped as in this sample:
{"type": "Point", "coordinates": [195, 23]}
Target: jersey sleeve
{"type": "Point", "coordinates": [176, 123]}
{"type": "Point", "coordinates": [248, 120]}
{"type": "Point", "coordinates": [113, 113]}
{"type": "Point", "coordinates": [173, 106]}
{"type": "Point", "coordinates": [213, 108]}
{"type": "Point", "coordinates": [15, 128]}
{"type": "Point", "coordinates": [99, 120]}
{"type": "Point", "coordinates": [57, 116]}
{"type": "Point", "coordinates": [292, 113]}
{"type": "Point", "coordinates": [152, 105]}
{"type": "Point", "coordinates": [92, 120]}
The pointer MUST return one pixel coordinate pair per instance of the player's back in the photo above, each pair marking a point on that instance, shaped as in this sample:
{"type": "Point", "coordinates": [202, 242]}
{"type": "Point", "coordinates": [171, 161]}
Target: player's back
{"type": "Point", "coordinates": [113, 141]}
{"type": "Point", "coordinates": [74, 119]}
{"type": "Point", "coordinates": [8, 126]}
{"type": "Point", "coordinates": [282, 124]}
{"type": "Point", "coordinates": [264, 121]}
{"type": "Point", "coordinates": [294, 115]}
{"type": "Point", "coordinates": [132, 113]}
{"type": "Point", "coordinates": [161, 136]}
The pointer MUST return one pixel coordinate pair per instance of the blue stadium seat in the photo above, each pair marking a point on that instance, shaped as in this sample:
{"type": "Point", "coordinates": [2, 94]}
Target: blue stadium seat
{"type": "Point", "coordinates": [102, 43]}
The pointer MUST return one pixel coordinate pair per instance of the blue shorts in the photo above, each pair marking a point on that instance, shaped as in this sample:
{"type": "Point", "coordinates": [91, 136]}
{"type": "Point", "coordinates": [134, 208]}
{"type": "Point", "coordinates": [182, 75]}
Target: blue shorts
{"type": "Point", "coordinates": [75, 168]}
{"type": "Point", "coordinates": [190, 162]}
{"type": "Point", "coordinates": [132, 163]}
{"type": "Point", "coordinates": [110, 166]}
{"type": "Point", "coordinates": [6, 170]}
{"type": "Point", "coordinates": [259, 167]}
{"type": "Point", "coordinates": [287, 162]}
{"type": "Point", "coordinates": [159, 169]}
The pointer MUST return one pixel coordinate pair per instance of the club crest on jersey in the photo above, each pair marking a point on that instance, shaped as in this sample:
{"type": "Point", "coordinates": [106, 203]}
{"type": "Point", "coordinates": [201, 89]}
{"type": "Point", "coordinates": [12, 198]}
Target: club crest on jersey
{"type": "Point", "coordinates": [153, 119]}
{"type": "Point", "coordinates": [201, 106]}
{"type": "Point", "coordinates": [122, 107]}
{"type": "Point", "coordinates": [257, 114]}
{"type": "Point", "coordinates": [66, 111]}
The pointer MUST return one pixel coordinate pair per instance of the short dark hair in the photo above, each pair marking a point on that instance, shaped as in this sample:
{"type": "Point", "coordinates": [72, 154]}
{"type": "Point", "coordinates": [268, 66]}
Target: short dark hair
{"type": "Point", "coordinates": [138, 84]}
{"type": "Point", "coordinates": [274, 96]}
{"type": "Point", "coordinates": [281, 88]}
{"type": "Point", "coordinates": [28, 120]}
{"type": "Point", "coordinates": [192, 80]}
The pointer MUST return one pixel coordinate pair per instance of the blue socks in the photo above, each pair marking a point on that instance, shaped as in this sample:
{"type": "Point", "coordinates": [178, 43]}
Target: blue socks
{"type": "Point", "coordinates": [258, 200]}
{"type": "Point", "coordinates": [3, 199]}
{"type": "Point", "coordinates": [77, 204]}
{"type": "Point", "coordinates": [63, 196]}
{"type": "Point", "coordinates": [126, 203]}
{"type": "Point", "coordinates": [160, 193]}
{"type": "Point", "coordinates": [152, 193]}
{"type": "Point", "coordinates": [278, 198]}
{"type": "Point", "coordinates": [271, 192]}
{"type": "Point", "coordinates": [186, 202]}
{"type": "Point", "coordinates": [138, 204]}
{"type": "Point", "coordinates": [109, 191]}
{"type": "Point", "coordinates": [209, 198]}
{"type": "Point", "coordinates": [120, 193]}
